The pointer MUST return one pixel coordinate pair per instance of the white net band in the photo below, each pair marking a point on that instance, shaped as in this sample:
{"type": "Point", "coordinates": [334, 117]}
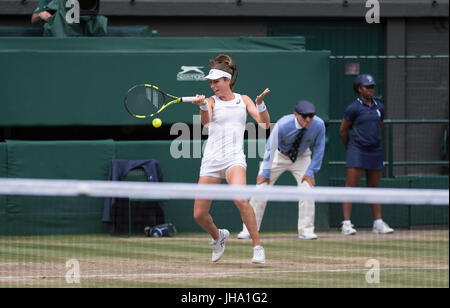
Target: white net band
{"type": "Point", "coordinates": [164, 191]}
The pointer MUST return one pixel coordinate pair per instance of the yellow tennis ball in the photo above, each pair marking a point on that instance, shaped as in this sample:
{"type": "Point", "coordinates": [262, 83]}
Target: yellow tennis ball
{"type": "Point", "coordinates": [157, 122]}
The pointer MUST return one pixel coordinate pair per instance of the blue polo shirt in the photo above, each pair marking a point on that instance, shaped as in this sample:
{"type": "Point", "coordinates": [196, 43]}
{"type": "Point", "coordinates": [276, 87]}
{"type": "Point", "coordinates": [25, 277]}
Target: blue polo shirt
{"type": "Point", "coordinates": [365, 132]}
{"type": "Point", "coordinates": [283, 136]}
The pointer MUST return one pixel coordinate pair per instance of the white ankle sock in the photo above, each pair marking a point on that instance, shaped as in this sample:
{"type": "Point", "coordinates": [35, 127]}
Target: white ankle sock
{"type": "Point", "coordinates": [377, 221]}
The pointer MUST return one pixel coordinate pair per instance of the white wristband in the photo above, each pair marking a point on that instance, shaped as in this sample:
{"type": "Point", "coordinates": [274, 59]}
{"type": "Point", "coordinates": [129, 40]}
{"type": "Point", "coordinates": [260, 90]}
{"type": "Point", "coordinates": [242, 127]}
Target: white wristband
{"type": "Point", "coordinates": [262, 107]}
{"type": "Point", "coordinates": [204, 107]}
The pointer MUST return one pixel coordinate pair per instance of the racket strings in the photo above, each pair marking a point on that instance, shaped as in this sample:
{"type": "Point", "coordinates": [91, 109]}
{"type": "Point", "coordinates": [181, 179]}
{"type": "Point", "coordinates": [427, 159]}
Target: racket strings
{"type": "Point", "coordinates": [144, 101]}
{"type": "Point", "coordinates": [152, 97]}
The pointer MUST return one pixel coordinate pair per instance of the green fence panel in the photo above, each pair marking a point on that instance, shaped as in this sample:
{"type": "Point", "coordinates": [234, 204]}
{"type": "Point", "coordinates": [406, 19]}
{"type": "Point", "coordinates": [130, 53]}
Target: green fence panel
{"type": "Point", "coordinates": [3, 160]}
{"type": "Point", "coordinates": [85, 160]}
{"type": "Point", "coordinates": [3, 173]}
{"type": "Point", "coordinates": [397, 216]}
{"type": "Point", "coordinates": [85, 79]}
{"type": "Point", "coordinates": [429, 215]}
{"type": "Point", "coordinates": [91, 159]}
{"type": "Point", "coordinates": [82, 160]}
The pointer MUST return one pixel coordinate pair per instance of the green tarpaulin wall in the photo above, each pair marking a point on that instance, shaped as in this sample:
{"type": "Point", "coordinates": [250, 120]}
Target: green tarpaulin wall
{"type": "Point", "coordinates": [55, 160]}
{"type": "Point", "coordinates": [90, 160]}
{"type": "Point", "coordinates": [82, 81]}
{"type": "Point", "coordinates": [3, 173]}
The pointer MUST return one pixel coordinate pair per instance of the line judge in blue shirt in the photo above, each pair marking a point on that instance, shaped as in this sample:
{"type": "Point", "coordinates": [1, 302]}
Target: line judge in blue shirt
{"type": "Point", "coordinates": [288, 150]}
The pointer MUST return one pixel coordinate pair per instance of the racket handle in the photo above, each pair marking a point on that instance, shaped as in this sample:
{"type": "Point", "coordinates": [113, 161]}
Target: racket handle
{"type": "Point", "coordinates": [188, 99]}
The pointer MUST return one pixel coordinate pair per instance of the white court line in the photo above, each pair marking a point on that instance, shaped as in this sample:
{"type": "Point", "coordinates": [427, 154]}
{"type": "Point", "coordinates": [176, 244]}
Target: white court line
{"type": "Point", "coordinates": [189, 275]}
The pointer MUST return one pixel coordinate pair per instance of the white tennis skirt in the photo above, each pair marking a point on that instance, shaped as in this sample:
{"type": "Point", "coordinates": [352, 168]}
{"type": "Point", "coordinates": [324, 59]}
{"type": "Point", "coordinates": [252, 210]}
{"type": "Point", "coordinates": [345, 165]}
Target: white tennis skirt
{"type": "Point", "coordinates": [219, 168]}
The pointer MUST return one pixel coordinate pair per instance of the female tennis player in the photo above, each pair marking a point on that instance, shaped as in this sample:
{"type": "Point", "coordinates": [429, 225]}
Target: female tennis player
{"type": "Point", "coordinates": [361, 134]}
{"type": "Point", "coordinates": [225, 115]}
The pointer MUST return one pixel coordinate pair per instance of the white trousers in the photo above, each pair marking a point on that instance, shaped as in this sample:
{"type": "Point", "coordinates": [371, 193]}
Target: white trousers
{"type": "Point", "coordinates": [306, 208]}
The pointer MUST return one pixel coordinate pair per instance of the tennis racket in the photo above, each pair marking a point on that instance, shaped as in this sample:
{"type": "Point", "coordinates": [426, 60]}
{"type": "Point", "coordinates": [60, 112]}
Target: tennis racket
{"type": "Point", "coordinates": [146, 100]}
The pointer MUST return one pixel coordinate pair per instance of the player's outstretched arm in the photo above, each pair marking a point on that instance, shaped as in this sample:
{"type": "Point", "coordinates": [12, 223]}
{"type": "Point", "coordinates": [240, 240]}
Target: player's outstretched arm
{"type": "Point", "coordinates": [258, 112]}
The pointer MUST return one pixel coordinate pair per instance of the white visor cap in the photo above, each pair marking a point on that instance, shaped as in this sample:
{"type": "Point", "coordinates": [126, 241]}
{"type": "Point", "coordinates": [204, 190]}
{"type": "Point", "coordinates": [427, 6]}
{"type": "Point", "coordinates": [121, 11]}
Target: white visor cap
{"type": "Point", "coordinates": [216, 74]}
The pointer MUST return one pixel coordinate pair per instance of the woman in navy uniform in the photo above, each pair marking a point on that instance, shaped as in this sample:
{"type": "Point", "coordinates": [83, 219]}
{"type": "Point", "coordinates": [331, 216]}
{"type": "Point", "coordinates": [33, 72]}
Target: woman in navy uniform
{"type": "Point", "coordinates": [361, 134]}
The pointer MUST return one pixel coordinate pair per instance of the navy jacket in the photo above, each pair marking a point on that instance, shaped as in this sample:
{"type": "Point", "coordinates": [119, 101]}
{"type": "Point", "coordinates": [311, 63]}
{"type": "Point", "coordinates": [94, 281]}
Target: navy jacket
{"type": "Point", "coordinates": [121, 167]}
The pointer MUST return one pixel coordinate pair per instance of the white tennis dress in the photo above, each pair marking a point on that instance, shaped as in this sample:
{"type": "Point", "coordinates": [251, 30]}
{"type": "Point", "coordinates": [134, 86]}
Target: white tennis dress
{"type": "Point", "coordinates": [225, 145]}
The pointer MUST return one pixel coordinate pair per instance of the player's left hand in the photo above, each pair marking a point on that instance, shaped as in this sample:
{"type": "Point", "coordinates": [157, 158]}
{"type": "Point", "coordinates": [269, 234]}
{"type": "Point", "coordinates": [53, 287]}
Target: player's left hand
{"type": "Point", "coordinates": [259, 99]}
{"type": "Point", "coordinates": [309, 180]}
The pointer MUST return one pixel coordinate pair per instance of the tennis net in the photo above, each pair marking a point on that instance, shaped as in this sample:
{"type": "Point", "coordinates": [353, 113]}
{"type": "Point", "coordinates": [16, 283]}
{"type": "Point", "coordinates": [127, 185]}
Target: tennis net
{"type": "Point", "coordinates": [63, 233]}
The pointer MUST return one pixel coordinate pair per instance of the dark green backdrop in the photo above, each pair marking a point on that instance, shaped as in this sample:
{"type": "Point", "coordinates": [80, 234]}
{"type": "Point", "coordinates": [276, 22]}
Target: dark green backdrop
{"type": "Point", "coordinates": [82, 81]}
{"type": "Point", "coordinates": [90, 160]}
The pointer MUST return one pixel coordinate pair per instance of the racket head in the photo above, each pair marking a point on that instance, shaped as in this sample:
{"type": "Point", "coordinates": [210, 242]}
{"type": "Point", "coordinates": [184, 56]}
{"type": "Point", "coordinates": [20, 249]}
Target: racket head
{"type": "Point", "coordinates": [144, 100]}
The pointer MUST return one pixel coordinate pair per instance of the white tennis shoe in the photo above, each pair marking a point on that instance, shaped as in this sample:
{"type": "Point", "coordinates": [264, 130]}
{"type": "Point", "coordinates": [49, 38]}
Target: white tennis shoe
{"type": "Point", "coordinates": [219, 245]}
{"type": "Point", "coordinates": [243, 235]}
{"type": "Point", "coordinates": [259, 256]}
{"type": "Point", "coordinates": [347, 228]}
{"type": "Point", "coordinates": [308, 236]}
{"type": "Point", "coordinates": [381, 227]}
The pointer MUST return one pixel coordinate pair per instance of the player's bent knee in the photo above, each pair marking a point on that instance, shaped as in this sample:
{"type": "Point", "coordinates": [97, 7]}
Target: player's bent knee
{"type": "Point", "coordinates": [200, 215]}
{"type": "Point", "coordinates": [242, 204]}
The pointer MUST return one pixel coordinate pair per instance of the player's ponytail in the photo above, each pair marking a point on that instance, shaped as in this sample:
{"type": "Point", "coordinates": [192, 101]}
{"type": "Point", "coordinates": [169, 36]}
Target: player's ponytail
{"type": "Point", "coordinates": [226, 64]}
